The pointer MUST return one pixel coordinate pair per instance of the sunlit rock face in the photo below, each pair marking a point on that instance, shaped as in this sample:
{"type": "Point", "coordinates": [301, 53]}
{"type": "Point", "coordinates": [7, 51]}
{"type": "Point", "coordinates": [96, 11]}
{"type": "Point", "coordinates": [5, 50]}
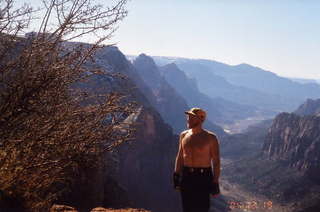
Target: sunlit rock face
{"type": "Point", "coordinates": [288, 169]}
{"type": "Point", "coordinates": [297, 140]}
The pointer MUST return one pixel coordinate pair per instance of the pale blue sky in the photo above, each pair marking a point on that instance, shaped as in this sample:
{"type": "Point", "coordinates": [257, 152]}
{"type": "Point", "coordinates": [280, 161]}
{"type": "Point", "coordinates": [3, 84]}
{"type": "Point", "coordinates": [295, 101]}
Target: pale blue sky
{"type": "Point", "coordinates": [282, 36]}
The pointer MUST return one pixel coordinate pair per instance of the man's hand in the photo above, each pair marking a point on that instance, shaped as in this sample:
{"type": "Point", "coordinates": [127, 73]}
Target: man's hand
{"type": "Point", "coordinates": [176, 181]}
{"type": "Point", "coordinates": [214, 189]}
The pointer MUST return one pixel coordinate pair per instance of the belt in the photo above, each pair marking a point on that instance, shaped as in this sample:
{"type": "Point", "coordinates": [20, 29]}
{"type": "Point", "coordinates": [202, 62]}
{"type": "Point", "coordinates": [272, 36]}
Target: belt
{"type": "Point", "coordinates": [197, 169]}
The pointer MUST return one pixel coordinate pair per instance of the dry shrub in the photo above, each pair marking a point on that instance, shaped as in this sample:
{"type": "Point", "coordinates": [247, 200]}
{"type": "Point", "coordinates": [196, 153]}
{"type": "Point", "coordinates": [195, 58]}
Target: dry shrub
{"type": "Point", "coordinates": [49, 126]}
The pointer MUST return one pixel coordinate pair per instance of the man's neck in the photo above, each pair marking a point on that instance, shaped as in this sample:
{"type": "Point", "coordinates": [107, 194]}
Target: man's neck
{"type": "Point", "coordinates": [196, 130]}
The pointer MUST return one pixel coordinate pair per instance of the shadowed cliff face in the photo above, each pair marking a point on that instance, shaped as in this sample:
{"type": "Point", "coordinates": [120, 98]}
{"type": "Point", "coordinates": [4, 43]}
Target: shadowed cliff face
{"type": "Point", "coordinates": [145, 165]}
{"type": "Point", "coordinates": [188, 89]}
{"type": "Point", "coordinates": [137, 174]}
{"type": "Point", "coordinates": [169, 102]}
{"type": "Point", "coordinates": [170, 105]}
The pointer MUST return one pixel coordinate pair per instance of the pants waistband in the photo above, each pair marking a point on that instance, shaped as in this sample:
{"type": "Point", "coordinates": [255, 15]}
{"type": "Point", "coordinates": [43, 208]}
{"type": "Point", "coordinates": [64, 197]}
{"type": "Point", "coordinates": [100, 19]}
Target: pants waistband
{"type": "Point", "coordinates": [187, 169]}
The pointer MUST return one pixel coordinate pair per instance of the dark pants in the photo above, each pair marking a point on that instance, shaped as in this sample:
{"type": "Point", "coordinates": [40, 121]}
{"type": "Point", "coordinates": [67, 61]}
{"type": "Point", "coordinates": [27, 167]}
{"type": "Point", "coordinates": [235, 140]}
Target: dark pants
{"type": "Point", "coordinates": [195, 186]}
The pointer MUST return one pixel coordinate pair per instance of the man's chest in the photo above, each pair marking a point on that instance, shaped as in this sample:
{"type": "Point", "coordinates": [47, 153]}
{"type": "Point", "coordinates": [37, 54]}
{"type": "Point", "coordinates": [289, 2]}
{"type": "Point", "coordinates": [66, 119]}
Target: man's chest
{"type": "Point", "coordinates": [195, 143]}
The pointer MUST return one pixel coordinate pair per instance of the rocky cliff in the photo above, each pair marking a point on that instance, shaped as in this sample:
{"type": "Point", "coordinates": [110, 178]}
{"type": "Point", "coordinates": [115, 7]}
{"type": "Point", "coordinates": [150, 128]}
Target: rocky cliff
{"type": "Point", "coordinates": [169, 102]}
{"type": "Point", "coordinates": [287, 168]}
{"type": "Point", "coordinates": [310, 107]}
{"type": "Point", "coordinates": [65, 208]}
{"type": "Point", "coordinates": [170, 105]}
{"type": "Point", "coordinates": [137, 174]}
{"type": "Point", "coordinates": [295, 136]}
{"type": "Point", "coordinates": [144, 166]}
{"type": "Point", "coordinates": [295, 139]}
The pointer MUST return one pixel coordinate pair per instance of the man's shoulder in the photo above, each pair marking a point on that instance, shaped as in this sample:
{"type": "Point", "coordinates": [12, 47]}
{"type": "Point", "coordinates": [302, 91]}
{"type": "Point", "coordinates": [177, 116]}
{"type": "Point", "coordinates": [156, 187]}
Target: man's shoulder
{"type": "Point", "coordinates": [183, 133]}
{"type": "Point", "coordinates": [211, 134]}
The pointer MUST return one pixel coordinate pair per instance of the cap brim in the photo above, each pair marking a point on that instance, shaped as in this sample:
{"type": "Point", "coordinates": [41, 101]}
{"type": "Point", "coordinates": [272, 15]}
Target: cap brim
{"type": "Point", "coordinates": [189, 113]}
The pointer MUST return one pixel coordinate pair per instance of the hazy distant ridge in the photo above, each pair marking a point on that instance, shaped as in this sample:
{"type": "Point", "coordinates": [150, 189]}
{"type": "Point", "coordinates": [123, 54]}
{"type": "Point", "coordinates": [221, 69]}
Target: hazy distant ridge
{"type": "Point", "coordinates": [245, 83]}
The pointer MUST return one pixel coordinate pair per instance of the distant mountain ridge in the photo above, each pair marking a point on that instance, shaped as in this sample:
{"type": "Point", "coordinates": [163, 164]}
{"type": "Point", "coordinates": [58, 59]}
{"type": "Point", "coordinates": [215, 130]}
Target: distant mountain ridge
{"type": "Point", "coordinates": [305, 81]}
{"type": "Point", "coordinates": [282, 94]}
{"type": "Point", "coordinates": [219, 110]}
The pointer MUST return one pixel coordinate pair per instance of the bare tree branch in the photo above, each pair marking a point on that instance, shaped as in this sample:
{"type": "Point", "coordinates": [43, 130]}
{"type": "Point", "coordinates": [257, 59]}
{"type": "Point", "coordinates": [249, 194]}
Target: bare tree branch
{"type": "Point", "coordinates": [49, 125]}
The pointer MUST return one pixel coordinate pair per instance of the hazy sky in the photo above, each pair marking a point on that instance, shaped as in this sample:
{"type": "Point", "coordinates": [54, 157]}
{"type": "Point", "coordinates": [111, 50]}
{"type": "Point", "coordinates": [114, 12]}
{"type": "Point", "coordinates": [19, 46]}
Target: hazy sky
{"type": "Point", "coordinates": [282, 36]}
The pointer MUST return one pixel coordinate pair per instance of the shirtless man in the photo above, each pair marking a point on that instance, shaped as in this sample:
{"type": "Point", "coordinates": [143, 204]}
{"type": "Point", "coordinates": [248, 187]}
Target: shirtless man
{"type": "Point", "coordinates": [198, 154]}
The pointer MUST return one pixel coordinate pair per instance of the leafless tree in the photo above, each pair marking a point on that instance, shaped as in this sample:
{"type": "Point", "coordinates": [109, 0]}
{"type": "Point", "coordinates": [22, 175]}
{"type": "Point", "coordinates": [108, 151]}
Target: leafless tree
{"type": "Point", "coordinates": [49, 126]}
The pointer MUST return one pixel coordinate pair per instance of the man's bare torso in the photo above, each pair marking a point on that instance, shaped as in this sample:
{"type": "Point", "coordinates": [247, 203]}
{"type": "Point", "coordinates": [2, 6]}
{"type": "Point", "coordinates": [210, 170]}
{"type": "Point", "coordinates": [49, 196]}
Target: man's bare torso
{"type": "Point", "coordinates": [197, 148]}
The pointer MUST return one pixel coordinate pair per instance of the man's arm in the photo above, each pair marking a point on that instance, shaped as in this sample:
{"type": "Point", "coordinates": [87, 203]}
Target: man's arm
{"type": "Point", "coordinates": [215, 155]}
{"type": "Point", "coordinates": [179, 157]}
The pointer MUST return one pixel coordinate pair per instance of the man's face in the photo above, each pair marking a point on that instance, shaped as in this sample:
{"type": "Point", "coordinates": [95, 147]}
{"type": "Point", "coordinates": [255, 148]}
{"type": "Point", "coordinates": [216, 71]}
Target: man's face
{"type": "Point", "coordinates": [193, 121]}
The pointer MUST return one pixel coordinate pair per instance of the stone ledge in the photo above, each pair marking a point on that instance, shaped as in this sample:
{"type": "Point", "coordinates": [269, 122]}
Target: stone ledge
{"type": "Point", "coordinates": [65, 208]}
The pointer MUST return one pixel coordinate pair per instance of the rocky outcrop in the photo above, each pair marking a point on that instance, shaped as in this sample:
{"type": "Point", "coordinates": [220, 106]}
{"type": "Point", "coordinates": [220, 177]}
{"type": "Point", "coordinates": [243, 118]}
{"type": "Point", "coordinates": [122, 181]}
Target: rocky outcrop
{"type": "Point", "coordinates": [65, 208]}
{"type": "Point", "coordinates": [295, 139]}
{"type": "Point", "coordinates": [168, 102]}
{"type": "Point", "coordinates": [62, 208]}
{"type": "Point", "coordinates": [287, 168]}
{"type": "Point", "coordinates": [118, 210]}
{"type": "Point", "coordinates": [99, 185]}
{"type": "Point", "coordinates": [310, 107]}
{"type": "Point", "coordinates": [137, 174]}
{"type": "Point", "coordinates": [145, 165]}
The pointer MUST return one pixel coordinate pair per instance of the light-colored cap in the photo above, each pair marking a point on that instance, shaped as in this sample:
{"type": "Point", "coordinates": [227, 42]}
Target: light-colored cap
{"type": "Point", "coordinates": [201, 114]}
